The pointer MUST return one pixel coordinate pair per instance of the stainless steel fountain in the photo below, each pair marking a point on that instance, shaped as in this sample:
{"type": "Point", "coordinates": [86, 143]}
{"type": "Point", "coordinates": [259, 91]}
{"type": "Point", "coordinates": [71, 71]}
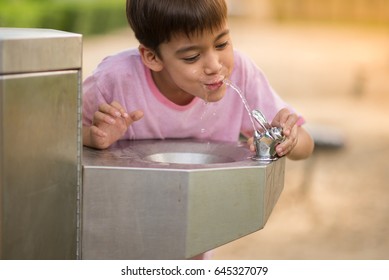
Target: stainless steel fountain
{"type": "Point", "coordinates": [173, 199]}
{"type": "Point", "coordinates": [148, 199]}
{"type": "Point", "coordinates": [40, 149]}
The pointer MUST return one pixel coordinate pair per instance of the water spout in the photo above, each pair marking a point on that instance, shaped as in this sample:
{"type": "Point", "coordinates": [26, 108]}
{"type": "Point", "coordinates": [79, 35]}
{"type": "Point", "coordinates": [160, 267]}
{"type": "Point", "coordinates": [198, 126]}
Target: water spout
{"type": "Point", "coordinates": [265, 142]}
{"type": "Point", "coordinates": [268, 138]}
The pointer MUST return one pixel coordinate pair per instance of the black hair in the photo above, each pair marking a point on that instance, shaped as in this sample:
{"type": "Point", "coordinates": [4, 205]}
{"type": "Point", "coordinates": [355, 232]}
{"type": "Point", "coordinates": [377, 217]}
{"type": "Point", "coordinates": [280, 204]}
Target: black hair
{"type": "Point", "coordinates": [156, 21]}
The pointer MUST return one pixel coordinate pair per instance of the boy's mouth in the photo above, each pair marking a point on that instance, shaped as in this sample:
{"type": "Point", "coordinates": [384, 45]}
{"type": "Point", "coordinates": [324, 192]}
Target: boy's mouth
{"type": "Point", "coordinates": [214, 86]}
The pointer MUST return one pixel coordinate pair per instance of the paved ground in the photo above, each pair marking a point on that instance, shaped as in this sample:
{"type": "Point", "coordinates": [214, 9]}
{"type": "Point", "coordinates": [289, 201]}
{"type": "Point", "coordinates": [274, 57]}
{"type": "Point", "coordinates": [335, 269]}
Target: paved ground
{"type": "Point", "coordinates": [336, 204]}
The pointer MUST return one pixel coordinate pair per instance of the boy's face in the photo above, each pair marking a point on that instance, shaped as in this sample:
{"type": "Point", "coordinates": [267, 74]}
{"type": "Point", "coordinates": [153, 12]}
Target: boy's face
{"type": "Point", "coordinates": [195, 66]}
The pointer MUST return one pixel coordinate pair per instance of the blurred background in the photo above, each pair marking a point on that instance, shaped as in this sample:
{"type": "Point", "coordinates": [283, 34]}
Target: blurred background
{"type": "Point", "coordinates": [327, 58]}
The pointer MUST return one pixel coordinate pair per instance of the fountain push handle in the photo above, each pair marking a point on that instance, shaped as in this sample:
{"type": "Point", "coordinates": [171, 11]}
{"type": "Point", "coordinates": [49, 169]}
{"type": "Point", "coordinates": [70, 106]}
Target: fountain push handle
{"type": "Point", "coordinates": [267, 139]}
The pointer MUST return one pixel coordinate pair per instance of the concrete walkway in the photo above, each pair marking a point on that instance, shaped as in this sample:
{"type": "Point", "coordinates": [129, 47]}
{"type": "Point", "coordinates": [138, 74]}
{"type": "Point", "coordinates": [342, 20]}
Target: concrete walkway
{"type": "Point", "coordinates": [336, 204]}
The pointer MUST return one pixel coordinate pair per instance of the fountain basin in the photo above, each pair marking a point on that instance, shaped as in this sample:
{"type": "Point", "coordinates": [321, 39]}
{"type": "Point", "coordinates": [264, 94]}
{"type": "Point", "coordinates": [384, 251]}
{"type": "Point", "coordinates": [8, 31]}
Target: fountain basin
{"type": "Point", "coordinates": [173, 199]}
{"type": "Point", "coordinates": [188, 158]}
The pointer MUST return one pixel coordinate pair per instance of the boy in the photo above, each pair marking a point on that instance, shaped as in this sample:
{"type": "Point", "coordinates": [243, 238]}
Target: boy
{"type": "Point", "coordinates": [172, 85]}
{"type": "Point", "coordinates": [184, 55]}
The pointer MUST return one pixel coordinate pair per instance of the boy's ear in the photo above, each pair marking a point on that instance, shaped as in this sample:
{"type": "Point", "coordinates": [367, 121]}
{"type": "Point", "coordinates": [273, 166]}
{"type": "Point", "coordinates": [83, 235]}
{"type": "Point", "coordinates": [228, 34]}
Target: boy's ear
{"type": "Point", "coordinates": [150, 58]}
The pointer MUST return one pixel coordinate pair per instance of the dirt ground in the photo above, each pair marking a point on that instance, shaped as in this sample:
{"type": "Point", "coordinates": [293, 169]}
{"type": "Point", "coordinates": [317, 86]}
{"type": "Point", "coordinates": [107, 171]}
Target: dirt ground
{"type": "Point", "coordinates": [335, 205]}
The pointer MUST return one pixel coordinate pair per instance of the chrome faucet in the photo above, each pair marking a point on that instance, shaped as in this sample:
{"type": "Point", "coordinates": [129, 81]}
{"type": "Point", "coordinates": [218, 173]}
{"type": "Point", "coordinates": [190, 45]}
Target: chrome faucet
{"type": "Point", "coordinates": [266, 139]}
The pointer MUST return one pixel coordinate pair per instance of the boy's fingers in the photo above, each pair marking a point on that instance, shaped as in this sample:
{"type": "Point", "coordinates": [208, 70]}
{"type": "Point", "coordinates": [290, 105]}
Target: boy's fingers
{"type": "Point", "coordinates": [137, 115]}
{"type": "Point", "coordinates": [250, 143]}
{"type": "Point", "coordinates": [134, 116]}
{"type": "Point", "coordinates": [121, 110]}
{"type": "Point", "coordinates": [289, 144]}
{"type": "Point", "coordinates": [110, 110]}
{"type": "Point", "coordinates": [289, 124]}
{"type": "Point", "coordinates": [98, 132]}
{"type": "Point", "coordinates": [102, 117]}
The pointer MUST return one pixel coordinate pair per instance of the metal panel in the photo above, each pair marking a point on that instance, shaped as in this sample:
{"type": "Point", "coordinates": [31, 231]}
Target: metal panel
{"type": "Point", "coordinates": [133, 214]}
{"type": "Point", "coordinates": [137, 205]}
{"type": "Point", "coordinates": [24, 50]}
{"type": "Point", "coordinates": [224, 205]}
{"type": "Point", "coordinates": [39, 165]}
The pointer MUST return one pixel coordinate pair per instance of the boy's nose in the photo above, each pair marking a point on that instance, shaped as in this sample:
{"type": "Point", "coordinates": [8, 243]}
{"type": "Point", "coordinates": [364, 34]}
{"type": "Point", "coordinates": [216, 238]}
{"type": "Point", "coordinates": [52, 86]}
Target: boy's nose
{"type": "Point", "coordinates": [212, 64]}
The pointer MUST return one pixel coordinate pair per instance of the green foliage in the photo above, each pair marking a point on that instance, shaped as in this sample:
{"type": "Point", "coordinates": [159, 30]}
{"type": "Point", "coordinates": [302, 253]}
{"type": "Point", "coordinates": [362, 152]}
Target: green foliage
{"type": "Point", "coordinates": [79, 16]}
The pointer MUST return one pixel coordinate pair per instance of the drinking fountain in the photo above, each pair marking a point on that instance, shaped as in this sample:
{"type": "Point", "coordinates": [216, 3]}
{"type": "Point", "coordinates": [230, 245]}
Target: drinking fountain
{"type": "Point", "coordinates": [138, 199]}
{"type": "Point", "coordinates": [173, 199]}
{"type": "Point", "coordinates": [40, 149]}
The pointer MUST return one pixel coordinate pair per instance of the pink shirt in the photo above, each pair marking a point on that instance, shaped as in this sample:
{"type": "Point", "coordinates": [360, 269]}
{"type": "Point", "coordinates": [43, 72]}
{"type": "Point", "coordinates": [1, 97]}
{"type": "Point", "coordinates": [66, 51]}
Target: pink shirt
{"type": "Point", "coordinates": [124, 78]}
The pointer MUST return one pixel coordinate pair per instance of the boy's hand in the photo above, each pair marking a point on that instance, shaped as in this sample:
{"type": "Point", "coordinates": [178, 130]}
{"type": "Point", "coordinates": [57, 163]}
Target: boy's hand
{"type": "Point", "coordinates": [109, 124]}
{"type": "Point", "coordinates": [288, 123]}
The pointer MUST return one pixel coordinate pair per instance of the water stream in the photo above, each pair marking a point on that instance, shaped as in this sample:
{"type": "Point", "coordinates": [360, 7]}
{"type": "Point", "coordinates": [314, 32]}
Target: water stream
{"type": "Point", "coordinates": [240, 93]}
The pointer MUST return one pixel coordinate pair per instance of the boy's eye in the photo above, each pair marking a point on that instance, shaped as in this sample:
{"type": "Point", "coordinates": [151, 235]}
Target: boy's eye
{"type": "Point", "coordinates": [222, 45]}
{"type": "Point", "coordinates": [192, 58]}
